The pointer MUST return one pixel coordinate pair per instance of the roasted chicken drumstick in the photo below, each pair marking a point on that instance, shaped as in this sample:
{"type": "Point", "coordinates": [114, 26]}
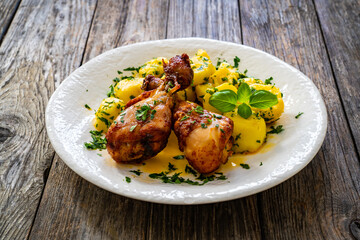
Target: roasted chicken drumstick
{"type": "Point", "coordinates": [142, 130]}
{"type": "Point", "coordinates": [203, 136]}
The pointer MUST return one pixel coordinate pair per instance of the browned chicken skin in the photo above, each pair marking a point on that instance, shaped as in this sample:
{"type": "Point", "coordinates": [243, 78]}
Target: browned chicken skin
{"type": "Point", "coordinates": [142, 130]}
{"type": "Point", "coordinates": [203, 136]}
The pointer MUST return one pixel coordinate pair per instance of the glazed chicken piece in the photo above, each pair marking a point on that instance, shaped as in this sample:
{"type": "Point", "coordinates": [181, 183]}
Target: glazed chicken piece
{"type": "Point", "coordinates": [142, 130]}
{"type": "Point", "coordinates": [204, 137]}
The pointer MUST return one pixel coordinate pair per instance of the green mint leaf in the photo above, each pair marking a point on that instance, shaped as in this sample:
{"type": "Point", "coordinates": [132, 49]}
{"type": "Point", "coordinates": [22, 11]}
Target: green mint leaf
{"type": "Point", "coordinates": [262, 99]}
{"type": "Point", "coordinates": [244, 111]}
{"type": "Point", "coordinates": [224, 100]}
{"type": "Point", "coordinates": [244, 93]}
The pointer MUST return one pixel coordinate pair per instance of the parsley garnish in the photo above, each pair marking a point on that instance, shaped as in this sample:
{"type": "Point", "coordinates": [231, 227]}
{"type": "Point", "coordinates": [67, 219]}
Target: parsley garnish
{"type": "Point", "coordinates": [133, 127]}
{"type": "Point", "coordinates": [97, 141]}
{"type": "Point", "coordinates": [171, 167]}
{"type": "Point", "coordinates": [244, 165]}
{"type": "Point", "coordinates": [142, 113]}
{"type": "Point", "coordinates": [152, 115]}
{"type": "Point", "coordinates": [132, 69]}
{"type": "Point", "coordinates": [190, 170]}
{"type": "Point", "coordinates": [87, 106]}
{"type": "Point", "coordinates": [184, 118]}
{"type": "Point", "coordinates": [137, 172]}
{"type": "Point", "coordinates": [276, 130]}
{"type": "Point", "coordinates": [179, 157]}
{"type": "Point", "coordinates": [203, 125]}
{"type": "Point", "coordinates": [111, 91]}
{"type": "Point", "coordinates": [199, 110]}
{"type": "Point", "coordinates": [261, 163]}
{"type": "Point", "coordinates": [297, 116]}
{"type": "Point", "coordinates": [128, 180]}
{"type": "Point", "coordinates": [268, 80]}
{"type": "Point", "coordinates": [236, 61]}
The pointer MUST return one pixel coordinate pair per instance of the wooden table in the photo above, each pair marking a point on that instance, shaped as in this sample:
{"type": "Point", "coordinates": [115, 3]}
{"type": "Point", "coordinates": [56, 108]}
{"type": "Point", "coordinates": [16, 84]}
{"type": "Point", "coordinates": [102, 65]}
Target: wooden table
{"type": "Point", "coordinates": [43, 41]}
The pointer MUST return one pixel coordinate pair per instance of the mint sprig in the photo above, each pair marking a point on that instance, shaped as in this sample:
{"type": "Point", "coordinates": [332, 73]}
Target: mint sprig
{"type": "Point", "coordinates": [227, 100]}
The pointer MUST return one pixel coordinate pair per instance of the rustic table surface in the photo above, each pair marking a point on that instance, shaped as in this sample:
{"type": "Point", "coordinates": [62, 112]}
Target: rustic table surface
{"type": "Point", "coordinates": [43, 41]}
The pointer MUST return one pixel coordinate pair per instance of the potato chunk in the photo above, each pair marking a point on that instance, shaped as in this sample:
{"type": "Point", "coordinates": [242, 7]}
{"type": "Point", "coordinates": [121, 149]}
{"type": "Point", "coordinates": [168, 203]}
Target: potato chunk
{"type": "Point", "coordinates": [225, 74]}
{"type": "Point", "coordinates": [201, 91]}
{"type": "Point", "coordinates": [273, 113]}
{"type": "Point", "coordinates": [153, 67]}
{"type": "Point", "coordinates": [109, 109]}
{"type": "Point", "coordinates": [187, 95]}
{"type": "Point", "coordinates": [202, 67]}
{"type": "Point", "coordinates": [128, 89]}
{"type": "Point", "coordinates": [249, 134]}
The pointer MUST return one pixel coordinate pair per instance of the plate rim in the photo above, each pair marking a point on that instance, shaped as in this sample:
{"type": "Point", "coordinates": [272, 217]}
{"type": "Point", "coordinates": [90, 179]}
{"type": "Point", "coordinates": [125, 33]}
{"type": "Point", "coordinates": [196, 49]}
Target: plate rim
{"type": "Point", "coordinates": [234, 195]}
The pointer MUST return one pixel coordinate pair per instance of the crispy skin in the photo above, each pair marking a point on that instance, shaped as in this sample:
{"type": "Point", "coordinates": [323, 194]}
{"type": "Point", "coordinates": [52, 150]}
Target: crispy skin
{"type": "Point", "coordinates": [205, 145]}
{"type": "Point", "coordinates": [178, 71]}
{"type": "Point", "coordinates": [126, 143]}
{"type": "Point", "coordinates": [148, 138]}
{"type": "Point", "coordinates": [150, 83]}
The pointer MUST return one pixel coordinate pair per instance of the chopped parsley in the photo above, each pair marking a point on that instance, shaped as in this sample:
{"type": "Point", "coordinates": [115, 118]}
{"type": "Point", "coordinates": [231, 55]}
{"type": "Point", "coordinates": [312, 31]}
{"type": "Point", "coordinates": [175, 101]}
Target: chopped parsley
{"type": "Point", "coordinates": [244, 165]}
{"type": "Point", "coordinates": [179, 157]}
{"type": "Point", "coordinates": [111, 91]}
{"type": "Point", "coordinates": [236, 61]}
{"type": "Point", "coordinates": [137, 172]}
{"type": "Point", "coordinates": [190, 170]}
{"type": "Point", "coordinates": [104, 120]}
{"type": "Point", "coordinates": [184, 118]}
{"type": "Point", "coordinates": [238, 137]}
{"type": "Point", "coordinates": [203, 125]}
{"type": "Point", "coordinates": [297, 116]}
{"type": "Point", "coordinates": [276, 130]}
{"type": "Point", "coordinates": [261, 164]}
{"type": "Point", "coordinates": [171, 167]}
{"type": "Point", "coordinates": [199, 110]}
{"type": "Point", "coordinates": [132, 97]}
{"type": "Point", "coordinates": [132, 69]}
{"type": "Point", "coordinates": [119, 72]}
{"type": "Point", "coordinates": [87, 106]}
{"type": "Point", "coordinates": [97, 141]}
{"type": "Point", "coordinates": [268, 80]}
{"type": "Point", "coordinates": [133, 127]}
{"type": "Point", "coordinates": [152, 115]}
{"type": "Point", "coordinates": [222, 130]}
{"type": "Point", "coordinates": [142, 113]}
{"type": "Point", "coordinates": [128, 180]}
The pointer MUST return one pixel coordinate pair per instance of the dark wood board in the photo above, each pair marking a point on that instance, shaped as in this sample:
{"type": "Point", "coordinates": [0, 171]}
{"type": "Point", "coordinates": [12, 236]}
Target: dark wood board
{"type": "Point", "coordinates": [340, 24]}
{"type": "Point", "coordinates": [71, 207]}
{"type": "Point", "coordinates": [322, 200]}
{"type": "Point", "coordinates": [8, 9]}
{"type": "Point", "coordinates": [33, 63]}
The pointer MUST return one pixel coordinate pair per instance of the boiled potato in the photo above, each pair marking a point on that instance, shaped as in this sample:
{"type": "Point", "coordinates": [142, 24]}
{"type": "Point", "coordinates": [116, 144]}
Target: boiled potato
{"type": "Point", "coordinates": [249, 134]}
{"type": "Point", "coordinates": [225, 73]}
{"type": "Point", "coordinates": [209, 92]}
{"type": "Point", "coordinates": [188, 94]}
{"type": "Point", "coordinates": [202, 67]}
{"type": "Point", "coordinates": [273, 113]}
{"type": "Point", "coordinates": [109, 109]}
{"type": "Point", "coordinates": [128, 89]}
{"type": "Point", "coordinates": [153, 67]}
{"type": "Point", "coordinates": [201, 91]}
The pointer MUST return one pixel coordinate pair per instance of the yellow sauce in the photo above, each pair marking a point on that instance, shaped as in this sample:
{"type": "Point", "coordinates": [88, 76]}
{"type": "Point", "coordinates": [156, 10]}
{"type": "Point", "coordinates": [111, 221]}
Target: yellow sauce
{"type": "Point", "coordinates": [160, 162]}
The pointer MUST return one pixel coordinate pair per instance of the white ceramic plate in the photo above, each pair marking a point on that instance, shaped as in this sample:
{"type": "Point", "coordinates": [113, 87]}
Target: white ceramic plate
{"type": "Point", "coordinates": [68, 123]}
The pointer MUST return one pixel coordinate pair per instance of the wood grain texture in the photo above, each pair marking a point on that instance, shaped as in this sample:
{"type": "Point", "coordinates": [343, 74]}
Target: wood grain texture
{"type": "Point", "coordinates": [8, 9]}
{"type": "Point", "coordinates": [72, 208]}
{"type": "Point", "coordinates": [340, 23]}
{"type": "Point", "coordinates": [33, 62]}
{"type": "Point", "coordinates": [323, 199]}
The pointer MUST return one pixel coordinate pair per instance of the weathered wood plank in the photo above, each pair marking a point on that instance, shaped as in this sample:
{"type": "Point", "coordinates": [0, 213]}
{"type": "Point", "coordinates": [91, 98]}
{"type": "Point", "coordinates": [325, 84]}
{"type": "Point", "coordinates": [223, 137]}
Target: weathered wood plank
{"type": "Point", "coordinates": [44, 42]}
{"type": "Point", "coordinates": [236, 219]}
{"type": "Point", "coordinates": [8, 9]}
{"type": "Point", "coordinates": [72, 208]}
{"type": "Point", "coordinates": [340, 24]}
{"type": "Point", "coordinates": [321, 201]}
